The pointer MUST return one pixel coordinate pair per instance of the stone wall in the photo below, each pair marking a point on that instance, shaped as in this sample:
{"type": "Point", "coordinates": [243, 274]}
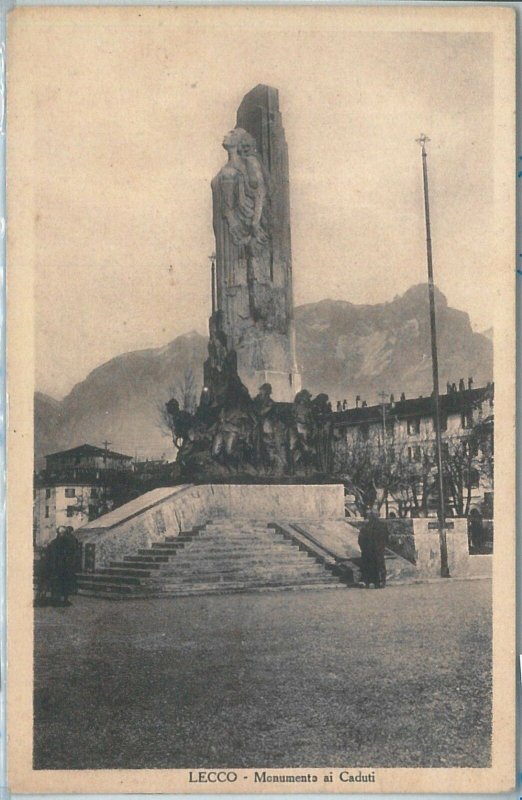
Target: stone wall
{"type": "Point", "coordinates": [401, 538]}
{"type": "Point", "coordinates": [427, 550]}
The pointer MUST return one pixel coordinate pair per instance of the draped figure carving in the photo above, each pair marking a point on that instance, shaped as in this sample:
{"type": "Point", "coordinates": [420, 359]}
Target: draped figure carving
{"type": "Point", "coordinates": [242, 229]}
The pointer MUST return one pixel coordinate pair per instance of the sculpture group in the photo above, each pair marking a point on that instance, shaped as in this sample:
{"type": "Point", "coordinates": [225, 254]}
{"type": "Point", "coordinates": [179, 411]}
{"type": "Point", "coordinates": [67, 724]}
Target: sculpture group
{"type": "Point", "coordinates": [233, 434]}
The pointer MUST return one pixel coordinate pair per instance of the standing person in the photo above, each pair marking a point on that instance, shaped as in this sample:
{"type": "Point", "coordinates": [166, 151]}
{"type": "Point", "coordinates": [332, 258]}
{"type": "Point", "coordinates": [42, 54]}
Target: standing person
{"type": "Point", "coordinates": [475, 530]}
{"type": "Point", "coordinates": [365, 545]}
{"type": "Point", "coordinates": [52, 551]}
{"type": "Point", "coordinates": [63, 565]}
{"type": "Point", "coordinates": [380, 542]}
{"type": "Point", "coordinates": [373, 538]}
{"type": "Point", "coordinates": [74, 557]}
{"type": "Point", "coordinates": [42, 577]}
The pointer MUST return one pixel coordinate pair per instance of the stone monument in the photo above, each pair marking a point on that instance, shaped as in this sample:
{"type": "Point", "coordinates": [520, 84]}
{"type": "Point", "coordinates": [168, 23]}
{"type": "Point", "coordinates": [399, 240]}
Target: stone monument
{"type": "Point", "coordinates": [253, 418]}
{"type": "Point", "coordinates": [251, 218]}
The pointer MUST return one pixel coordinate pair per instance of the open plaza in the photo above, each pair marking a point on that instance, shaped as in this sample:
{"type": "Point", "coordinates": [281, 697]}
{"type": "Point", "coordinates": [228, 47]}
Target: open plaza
{"type": "Point", "coordinates": [326, 677]}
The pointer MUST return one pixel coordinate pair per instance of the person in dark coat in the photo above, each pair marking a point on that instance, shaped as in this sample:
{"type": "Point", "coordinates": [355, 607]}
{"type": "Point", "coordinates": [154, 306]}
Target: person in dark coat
{"type": "Point", "coordinates": [475, 530]}
{"type": "Point", "coordinates": [63, 565]}
{"type": "Point", "coordinates": [42, 577]}
{"type": "Point", "coordinates": [373, 539]}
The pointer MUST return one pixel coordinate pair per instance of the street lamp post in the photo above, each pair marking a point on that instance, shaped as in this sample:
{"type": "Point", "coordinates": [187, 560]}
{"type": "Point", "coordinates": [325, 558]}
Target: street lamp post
{"type": "Point", "coordinates": [444, 568]}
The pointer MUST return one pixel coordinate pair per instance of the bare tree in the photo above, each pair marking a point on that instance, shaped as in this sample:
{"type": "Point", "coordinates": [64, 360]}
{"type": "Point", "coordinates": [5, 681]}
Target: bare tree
{"type": "Point", "coordinates": [413, 479]}
{"type": "Point", "coordinates": [185, 391]}
{"type": "Point", "coordinates": [366, 469]}
{"type": "Point", "coordinates": [468, 456]}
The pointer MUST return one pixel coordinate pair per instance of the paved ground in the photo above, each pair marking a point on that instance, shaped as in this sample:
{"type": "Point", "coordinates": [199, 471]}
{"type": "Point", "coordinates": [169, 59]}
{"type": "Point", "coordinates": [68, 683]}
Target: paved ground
{"type": "Point", "coordinates": [399, 677]}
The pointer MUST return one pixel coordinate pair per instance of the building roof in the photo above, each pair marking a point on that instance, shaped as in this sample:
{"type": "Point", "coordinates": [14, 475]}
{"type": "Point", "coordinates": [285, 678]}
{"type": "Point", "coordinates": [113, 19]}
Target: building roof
{"type": "Point", "coordinates": [88, 450]}
{"type": "Point", "coordinates": [453, 402]}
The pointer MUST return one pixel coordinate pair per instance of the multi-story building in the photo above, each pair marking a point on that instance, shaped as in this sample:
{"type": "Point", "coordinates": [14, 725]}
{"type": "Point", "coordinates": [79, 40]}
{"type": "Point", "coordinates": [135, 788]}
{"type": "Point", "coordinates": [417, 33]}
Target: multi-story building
{"type": "Point", "coordinates": [76, 486]}
{"type": "Point", "coordinates": [387, 452]}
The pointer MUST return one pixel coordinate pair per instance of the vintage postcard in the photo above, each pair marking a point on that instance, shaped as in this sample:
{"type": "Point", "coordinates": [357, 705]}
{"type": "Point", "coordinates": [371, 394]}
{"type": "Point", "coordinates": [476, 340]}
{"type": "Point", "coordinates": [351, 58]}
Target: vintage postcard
{"type": "Point", "coordinates": [261, 376]}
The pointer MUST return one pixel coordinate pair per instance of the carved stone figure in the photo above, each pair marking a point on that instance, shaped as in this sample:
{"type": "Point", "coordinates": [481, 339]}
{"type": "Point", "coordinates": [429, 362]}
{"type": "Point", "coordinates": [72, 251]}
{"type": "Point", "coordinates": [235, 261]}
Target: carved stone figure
{"type": "Point", "coordinates": [181, 421]}
{"type": "Point", "coordinates": [253, 282]}
{"type": "Point", "coordinates": [301, 432]}
{"type": "Point", "coordinates": [240, 194]}
{"type": "Point", "coordinates": [271, 444]}
{"type": "Point", "coordinates": [323, 427]}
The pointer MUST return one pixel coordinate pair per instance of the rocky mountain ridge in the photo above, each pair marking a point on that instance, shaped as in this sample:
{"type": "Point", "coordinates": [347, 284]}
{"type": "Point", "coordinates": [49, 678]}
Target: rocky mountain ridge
{"type": "Point", "coordinates": [343, 349]}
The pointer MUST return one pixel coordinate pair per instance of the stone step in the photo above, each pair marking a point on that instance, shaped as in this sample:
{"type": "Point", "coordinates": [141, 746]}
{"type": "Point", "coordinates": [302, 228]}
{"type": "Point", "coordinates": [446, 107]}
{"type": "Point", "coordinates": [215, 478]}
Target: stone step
{"type": "Point", "coordinates": [211, 572]}
{"type": "Point", "coordinates": [159, 555]}
{"type": "Point", "coordinates": [151, 559]}
{"type": "Point", "coordinates": [99, 577]}
{"type": "Point", "coordinates": [273, 549]}
{"type": "Point", "coordinates": [234, 558]}
{"type": "Point", "coordinates": [141, 564]}
{"type": "Point", "coordinates": [125, 571]}
{"type": "Point", "coordinates": [186, 589]}
{"type": "Point", "coordinates": [225, 586]}
{"type": "Point", "coordinates": [169, 545]}
{"type": "Point", "coordinates": [106, 588]}
{"type": "Point", "coordinates": [242, 539]}
{"type": "Point", "coordinates": [217, 547]}
{"type": "Point", "coordinates": [237, 533]}
{"type": "Point", "coordinates": [229, 523]}
{"type": "Point", "coordinates": [203, 590]}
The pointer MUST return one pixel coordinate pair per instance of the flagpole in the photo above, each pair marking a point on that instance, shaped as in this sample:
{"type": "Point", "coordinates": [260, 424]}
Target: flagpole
{"type": "Point", "coordinates": [444, 567]}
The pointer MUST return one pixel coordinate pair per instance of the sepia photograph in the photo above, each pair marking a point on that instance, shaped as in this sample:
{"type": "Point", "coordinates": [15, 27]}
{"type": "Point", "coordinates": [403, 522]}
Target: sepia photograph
{"type": "Point", "coordinates": [261, 376]}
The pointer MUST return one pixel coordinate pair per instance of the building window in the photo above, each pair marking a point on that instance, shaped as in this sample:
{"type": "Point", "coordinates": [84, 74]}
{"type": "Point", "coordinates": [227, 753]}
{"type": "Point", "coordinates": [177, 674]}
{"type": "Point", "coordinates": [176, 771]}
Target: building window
{"type": "Point", "coordinates": [365, 432]}
{"type": "Point", "coordinates": [70, 511]}
{"type": "Point", "coordinates": [70, 492]}
{"type": "Point", "coordinates": [47, 494]}
{"type": "Point", "coordinates": [413, 426]}
{"type": "Point", "coordinates": [94, 491]}
{"type": "Point", "coordinates": [46, 512]}
{"type": "Point", "coordinates": [414, 454]}
{"type": "Point", "coordinates": [466, 418]}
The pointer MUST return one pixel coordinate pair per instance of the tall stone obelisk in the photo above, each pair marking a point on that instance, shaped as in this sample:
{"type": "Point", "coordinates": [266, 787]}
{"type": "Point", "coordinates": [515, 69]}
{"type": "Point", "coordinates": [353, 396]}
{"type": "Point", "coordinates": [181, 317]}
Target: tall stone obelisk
{"type": "Point", "coordinates": [251, 215]}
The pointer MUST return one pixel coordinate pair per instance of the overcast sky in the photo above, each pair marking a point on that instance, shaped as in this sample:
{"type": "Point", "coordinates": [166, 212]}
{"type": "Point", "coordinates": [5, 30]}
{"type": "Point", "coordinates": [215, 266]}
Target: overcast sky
{"type": "Point", "coordinates": [127, 136]}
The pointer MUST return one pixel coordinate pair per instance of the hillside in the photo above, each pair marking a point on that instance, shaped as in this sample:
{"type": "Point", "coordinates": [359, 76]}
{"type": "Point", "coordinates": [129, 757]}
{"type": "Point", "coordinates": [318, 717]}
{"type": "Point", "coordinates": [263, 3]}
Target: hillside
{"type": "Point", "coordinates": [342, 349]}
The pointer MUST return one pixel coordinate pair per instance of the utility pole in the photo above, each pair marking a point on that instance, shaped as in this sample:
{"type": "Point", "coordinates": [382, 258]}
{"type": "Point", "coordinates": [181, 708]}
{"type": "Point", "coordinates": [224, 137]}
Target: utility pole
{"type": "Point", "coordinates": [444, 568]}
{"type": "Point", "coordinates": [106, 445]}
{"type": "Point", "coordinates": [384, 397]}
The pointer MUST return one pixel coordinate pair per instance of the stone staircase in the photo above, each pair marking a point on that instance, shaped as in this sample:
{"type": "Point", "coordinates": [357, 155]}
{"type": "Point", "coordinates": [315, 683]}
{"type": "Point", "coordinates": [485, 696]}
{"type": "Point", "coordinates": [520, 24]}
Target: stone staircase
{"type": "Point", "coordinates": [225, 555]}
